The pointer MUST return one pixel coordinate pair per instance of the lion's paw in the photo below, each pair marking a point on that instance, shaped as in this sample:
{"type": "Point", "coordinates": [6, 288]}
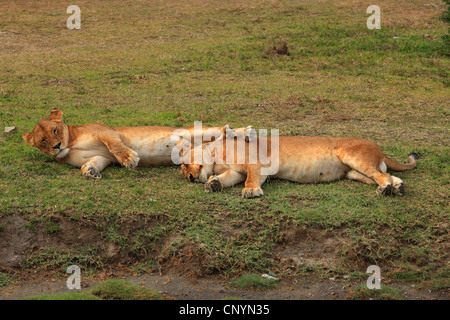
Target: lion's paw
{"type": "Point", "coordinates": [252, 192]}
{"type": "Point", "coordinates": [90, 172]}
{"type": "Point", "coordinates": [213, 185]}
{"type": "Point", "coordinates": [129, 159]}
{"type": "Point", "coordinates": [398, 186]}
{"type": "Point", "coordinates": [399, 190]}
{"type": "Point", "coordinates": [385, 190]}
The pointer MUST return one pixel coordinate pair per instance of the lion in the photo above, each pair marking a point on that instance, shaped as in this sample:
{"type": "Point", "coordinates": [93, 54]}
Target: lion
{"type": "Point", "coordinates": [299, 159]}
{"type": "Point", "coordinates": [93, 147]}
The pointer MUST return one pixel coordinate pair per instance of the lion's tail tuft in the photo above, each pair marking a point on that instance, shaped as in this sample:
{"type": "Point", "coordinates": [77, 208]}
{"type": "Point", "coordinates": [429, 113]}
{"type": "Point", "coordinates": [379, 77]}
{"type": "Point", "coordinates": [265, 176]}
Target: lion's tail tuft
{"type": "Point", "coordinates": [397, 166]}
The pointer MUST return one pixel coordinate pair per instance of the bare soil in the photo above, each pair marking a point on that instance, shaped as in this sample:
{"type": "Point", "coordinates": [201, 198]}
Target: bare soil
{"type": "Point", "coordinates": [214, 288]}
{"type": "Point", "coordinates": [178, 276]}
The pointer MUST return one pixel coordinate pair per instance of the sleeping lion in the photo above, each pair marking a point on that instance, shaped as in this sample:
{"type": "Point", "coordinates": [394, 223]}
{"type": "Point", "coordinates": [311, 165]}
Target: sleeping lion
{"type": "Point", "coordinates": [300, 159]}
{"type": "Point", "coordinates": [93, 147]}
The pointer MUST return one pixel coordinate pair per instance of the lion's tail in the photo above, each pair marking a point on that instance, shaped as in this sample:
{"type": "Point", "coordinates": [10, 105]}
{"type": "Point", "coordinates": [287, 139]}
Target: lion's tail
{"type": "Point", "coordinates": [397, 166]}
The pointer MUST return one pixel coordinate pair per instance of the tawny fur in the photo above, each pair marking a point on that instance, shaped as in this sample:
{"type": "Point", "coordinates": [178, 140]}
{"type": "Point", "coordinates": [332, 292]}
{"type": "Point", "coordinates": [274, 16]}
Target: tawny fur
{"type": "Point", "coordinates": [301, 159]}
{"type": "Point", "coordinates": [93, 147]}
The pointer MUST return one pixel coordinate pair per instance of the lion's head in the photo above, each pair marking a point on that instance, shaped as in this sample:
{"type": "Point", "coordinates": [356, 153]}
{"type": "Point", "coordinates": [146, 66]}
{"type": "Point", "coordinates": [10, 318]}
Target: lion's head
{"type": "Point", "coordinates": [192, 172]}
{"type": "Point", "coordinates": [50, 136]}
{"type": "Point", "coordinates": [192, 167]}
{"type": "Point", "coordinates": [189, 169]}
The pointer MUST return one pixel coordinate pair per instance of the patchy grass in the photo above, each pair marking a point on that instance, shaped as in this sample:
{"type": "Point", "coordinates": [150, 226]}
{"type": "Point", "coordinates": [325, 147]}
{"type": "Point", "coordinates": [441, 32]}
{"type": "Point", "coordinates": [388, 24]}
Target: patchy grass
{"type": "Point", "coordinates": [52, 258]}
{"type": "Point", "coordinates": [384, 293]}
{"type": "Point", "coordinates": [108, 290]}
{"type": "Point", "coordinates": [6, 279]}
{"type": "Point", "coordinates": [170, 63]}
{"type": "Point", "coordinates": [117, 289]}
{"type": "Point", "coordinates": [64, 296]}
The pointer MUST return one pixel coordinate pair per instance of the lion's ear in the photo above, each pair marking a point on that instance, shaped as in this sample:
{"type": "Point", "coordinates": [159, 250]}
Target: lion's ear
{"type": "Point", "coordinates": [182, 168]}
{"type": "Point", "coordinates": [228, 132]}
{"type": "Point", "coordinates": [28, 137]}
{"type": "Point", "coordinates": [56, 115]}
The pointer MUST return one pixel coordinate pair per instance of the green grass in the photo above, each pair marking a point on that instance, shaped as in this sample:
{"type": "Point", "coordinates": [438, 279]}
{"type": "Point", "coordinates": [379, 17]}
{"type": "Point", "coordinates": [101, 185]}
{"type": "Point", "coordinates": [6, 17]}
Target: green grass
{"type": "Point", "coordinates": [64, 296]}
{"type": "Point", "coordinates": [207, 63]}
{"type": "Point", "coordinates": [6, 279]}
{"type": "Point", "coordinates": [52, 258]}
{"type": "Point", "coordinates": [123, 290]}
{"type": "Point", "coordinates": [384, 293]}
{"type": "Point", "coordinates": [114, 289]}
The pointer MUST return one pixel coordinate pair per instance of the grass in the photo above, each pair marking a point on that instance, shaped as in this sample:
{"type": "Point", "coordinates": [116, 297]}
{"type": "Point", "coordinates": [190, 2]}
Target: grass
{"type": "Point", "coordinates": [170, 63]}
{"type": "Point", "coordinates": [52, 258]}
{"type": "Point", "coordinates": [114, 289]}
{"type": "Point", "coordinates": [6, 279]}
{"type": "Point", "coordinates": [123, 290]}
{"type": "Point", "coordinates": [384, 293]}
{"type": "Point", "coordinates": [64, 296]}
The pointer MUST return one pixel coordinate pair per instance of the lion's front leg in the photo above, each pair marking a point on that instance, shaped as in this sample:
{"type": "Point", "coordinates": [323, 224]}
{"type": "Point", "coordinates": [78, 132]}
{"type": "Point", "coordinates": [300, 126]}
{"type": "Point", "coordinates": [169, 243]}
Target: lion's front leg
{"type": "Point", "coordinates": [253, 183]}
{"type": "Point", "coordinates": [93, 166]}
{"type": "Point", "coordinates": [124, 155]}
{"type": "Point", "coordinates": [227, 179]}
{"type": "Point", "coordinates": [128, 158]}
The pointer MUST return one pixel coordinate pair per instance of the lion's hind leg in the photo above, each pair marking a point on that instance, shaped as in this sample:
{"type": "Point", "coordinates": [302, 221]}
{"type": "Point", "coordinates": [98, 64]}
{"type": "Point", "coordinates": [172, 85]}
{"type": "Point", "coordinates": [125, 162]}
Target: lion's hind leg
{"type": "Point", "coordinates": [356, 176]}
{"type": "Point", "coordinates": [389, 184]}
{"type": "Point", "coordinates": [370, 164]}
{"type": "Point", "coordinates": [398, 186]}
{"type": "Point", "coordinates": [384, 180]}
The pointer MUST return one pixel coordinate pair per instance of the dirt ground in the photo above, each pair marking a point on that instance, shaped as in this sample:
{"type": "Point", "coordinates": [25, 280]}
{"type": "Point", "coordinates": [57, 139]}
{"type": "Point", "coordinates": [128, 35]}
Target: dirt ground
{"type": "Point", "coordinates": [177, 282]}
{"type": "Point", "coordinates": [212, 288]}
